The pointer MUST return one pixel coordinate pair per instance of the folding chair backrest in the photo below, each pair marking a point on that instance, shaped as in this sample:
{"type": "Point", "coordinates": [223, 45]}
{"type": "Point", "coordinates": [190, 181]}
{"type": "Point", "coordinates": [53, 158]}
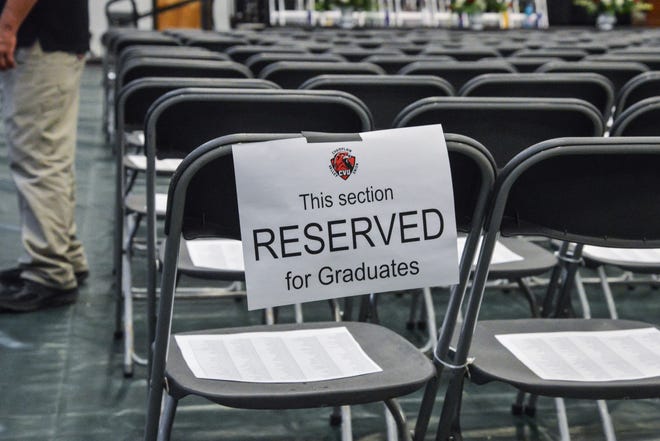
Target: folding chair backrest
{"type": "Point", "coordinates": [618, 72]}
{"type": "Point", "coordinates": [243, 52]}
{"type": "Point", "coordinates": [392, 64]}
{"type": "Point", "coordinates": [590, 87]}
{"type": "Point", "coordinates": [188, 53]}
{"type": "Point", "coordinates": [184, 119]}
{"type": "Point", "coordinates": [567, 54]}
{"type": "Point", "coordinates": [652, 61]}
{"type": "Point", "coordinates": [462, 54]}
{"type": "Point", "coordinates": [211, 208]}
{"type": "Point", "coordinates": [386, 95]}
{"type": "Point", "coordinates": [162, 67]}
{"type": "Point", "coordinates": [291, 74]}
{"type": "Point", "coordinates": [528, 64]}
{"type": "Point", "coordinates": [506, 126]}
{"type": "Point", "coordinates": [598, 191]}
{"type": "Point", "coordinates": [124, 38]}
{"type": "Point", "coordinates": [457, 72]}
{"type": "Point", "coordinates": [646, 85]}
{"type": "Point", "coordinates": [136, 97]}
{"type": "Point", "coordinates": [212, 41]}
{"type": "Point", "coordinates": [355, 54]}
{"type": "Point", "coordinates": [640, 119]}
{"type": "Point", "coordinates": [257, 62]}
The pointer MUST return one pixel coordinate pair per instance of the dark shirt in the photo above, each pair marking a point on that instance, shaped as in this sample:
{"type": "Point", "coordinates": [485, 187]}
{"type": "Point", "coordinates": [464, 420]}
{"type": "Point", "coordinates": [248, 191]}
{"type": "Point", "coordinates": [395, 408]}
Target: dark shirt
{"type": "Point", "coordinates": [59, 25]}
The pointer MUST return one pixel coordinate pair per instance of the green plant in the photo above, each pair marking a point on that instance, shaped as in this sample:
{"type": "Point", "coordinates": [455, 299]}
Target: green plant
{"type": "Point", "coordinates": [613, 6]}
{"type": "Point", "coordinates": [496, 5]}
{"type": "Point", "coordinates": [468, 6]}
{"type": "Point", "coordinates": [358, 5]}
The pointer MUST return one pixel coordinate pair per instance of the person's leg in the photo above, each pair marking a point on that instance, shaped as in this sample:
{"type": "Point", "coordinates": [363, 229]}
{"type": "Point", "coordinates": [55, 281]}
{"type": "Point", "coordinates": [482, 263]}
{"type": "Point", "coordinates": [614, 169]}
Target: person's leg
{"type": "Point", "coordinates": [40, 112]}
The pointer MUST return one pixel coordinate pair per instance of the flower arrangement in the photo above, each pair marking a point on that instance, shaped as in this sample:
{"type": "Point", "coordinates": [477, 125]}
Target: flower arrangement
{"type": "Point", "coordinates": [614, 6]}
{"type": "Point", "coordinates": [477, 6]}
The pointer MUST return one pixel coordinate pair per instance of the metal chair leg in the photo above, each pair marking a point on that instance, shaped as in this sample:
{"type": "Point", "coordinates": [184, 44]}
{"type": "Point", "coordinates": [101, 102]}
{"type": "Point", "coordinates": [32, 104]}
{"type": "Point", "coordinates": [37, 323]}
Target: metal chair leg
{"type": "Point", "coordinates": [167, 418]}
{"type": "Point", "coordinates": [399, 417]}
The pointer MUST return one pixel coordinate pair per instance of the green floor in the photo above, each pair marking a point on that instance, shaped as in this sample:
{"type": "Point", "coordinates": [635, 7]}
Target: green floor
{"type": "Point", "coordinates": [61, 370]}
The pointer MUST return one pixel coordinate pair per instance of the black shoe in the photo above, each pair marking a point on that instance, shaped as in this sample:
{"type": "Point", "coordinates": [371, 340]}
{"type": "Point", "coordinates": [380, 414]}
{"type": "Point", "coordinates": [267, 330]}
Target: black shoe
{"type": "Point", "coordinates": [32, 296]}
{"type": "Point", "coordinates": [12, 276]}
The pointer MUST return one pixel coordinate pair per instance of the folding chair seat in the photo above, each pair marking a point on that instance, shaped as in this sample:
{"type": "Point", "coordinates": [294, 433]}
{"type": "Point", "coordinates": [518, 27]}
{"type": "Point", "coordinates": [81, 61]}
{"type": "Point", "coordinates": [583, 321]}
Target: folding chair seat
{"type": "Point", "coordinates": [257, 62]}
{"type": "Point", "coordinates": [386, 95]}
{"type": "Point", "coordinates": [579, 190]}
{"type": "Point", "coordinates": [640, 119]}
{"type": "Point", "coordinates": [506, 126]}
{"type": "Point", "coordinates": [242, 52]}
{"type": "Point", "coordinates": [185, 118]}
{"type": "Point", "coordinates": [392, 64]}
{"type": "Point", "coordinates": [619, 73]}
{"type": "Point", "coordinates": [292, 74]}
{"type": "Point", "coordinates": [590, 87]}
{"type": "Point", "coordinates": [652, 61]}
{"type": "Point", "coordinates": [565, 54]}
{"type": "Point", "coordinates": [457, 73]}
{"type": "Point", "coordinates": [195, 212]}
{"type": "Point", "coordinates": [640, 87]}
{"type": "Point", "coordinates": [464, 53]}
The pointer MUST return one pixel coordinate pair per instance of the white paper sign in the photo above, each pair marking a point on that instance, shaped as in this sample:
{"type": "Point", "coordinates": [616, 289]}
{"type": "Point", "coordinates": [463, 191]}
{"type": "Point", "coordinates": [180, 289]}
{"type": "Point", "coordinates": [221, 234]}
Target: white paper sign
{"type": "Point", "coordinates": [223, 254]}
{"type": "Point", "coordinates": [276, 357]}
{"type": "Point", "coordinates": [588, 356]}
{"type": "Point", "coordinates": [325, 220]}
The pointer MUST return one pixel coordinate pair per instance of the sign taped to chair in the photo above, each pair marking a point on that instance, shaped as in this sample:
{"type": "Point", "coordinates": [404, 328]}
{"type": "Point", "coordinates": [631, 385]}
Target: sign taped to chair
{"type": "Point", "coordinates": [322, 220]}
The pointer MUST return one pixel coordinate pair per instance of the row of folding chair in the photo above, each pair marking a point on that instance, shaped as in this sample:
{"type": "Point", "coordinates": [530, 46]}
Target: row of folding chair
{"type": "Point", "coordinates": [528, 200]}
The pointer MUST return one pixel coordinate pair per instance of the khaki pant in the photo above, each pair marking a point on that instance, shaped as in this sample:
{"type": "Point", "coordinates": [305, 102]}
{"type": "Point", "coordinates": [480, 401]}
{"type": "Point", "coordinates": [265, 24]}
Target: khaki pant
{"type": "Point", "coordinates": [40, 110]}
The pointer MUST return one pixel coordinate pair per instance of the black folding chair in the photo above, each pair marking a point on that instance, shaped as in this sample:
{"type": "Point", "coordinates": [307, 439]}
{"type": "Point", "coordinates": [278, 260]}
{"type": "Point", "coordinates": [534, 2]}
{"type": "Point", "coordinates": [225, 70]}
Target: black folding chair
{"type": "Point", "coordinates": [575, 189]}
{"type": "Point", "coordinates": [567, 54]}
{"type": "Point", "coordinates": [618, 72]}
{"type": "Point", "coordinates": [355, 54]}
{"type": "Point", "coordinates": [133, 103]}
{"type": "Point", "coordinates": [505, 126]}
{"type": "Point", "coordinates": [193, 211]}
{"type": "Point", "coordinates": [590, 87]}
{"type": "Point", "coordinates": [257, 62]}
{"type": "Point", "coordinates": [640, 87]}
{"type": "Point", "coordinates": [459, 72]}
{"type": "Point", "coordinates": [242, 52]}
{"type": "Point", "coordinates": [640, 119]}
{"type": "Point", "coordinates": [463, 53]}
{"type": "Point", "coordinates": [292, 74]}
{"type": "Point", "coordinates": [652, 61]}
{"type": "Point", "coordinates": [386, 95]}
{"type": "Point", "coordinates": [392, 64]}
{"type": "Point", "coordinates": [528, 64]}
{"type": "Point", "coordinates": [181, 120]}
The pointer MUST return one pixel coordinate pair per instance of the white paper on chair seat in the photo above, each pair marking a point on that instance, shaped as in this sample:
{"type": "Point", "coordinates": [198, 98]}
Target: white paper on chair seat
{"type": "Point", "coordinates": [161, 202]}
{"type": "Point", "coordinates": [224, 254]}
{"type": "Point", "coordinates": [276, 357]}
{"type": "Point", "coordinates": [588, 356]}
{"type": "Point", "coordinates": [501, 254]}
{"type": "Point", "coordinates": [165, 165]}
{"type": "Point", "coordinates": [638, 255]}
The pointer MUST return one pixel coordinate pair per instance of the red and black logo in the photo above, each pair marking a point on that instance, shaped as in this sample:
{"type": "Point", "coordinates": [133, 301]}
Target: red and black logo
{"type": "Point", "coordinates": [343, 164]}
